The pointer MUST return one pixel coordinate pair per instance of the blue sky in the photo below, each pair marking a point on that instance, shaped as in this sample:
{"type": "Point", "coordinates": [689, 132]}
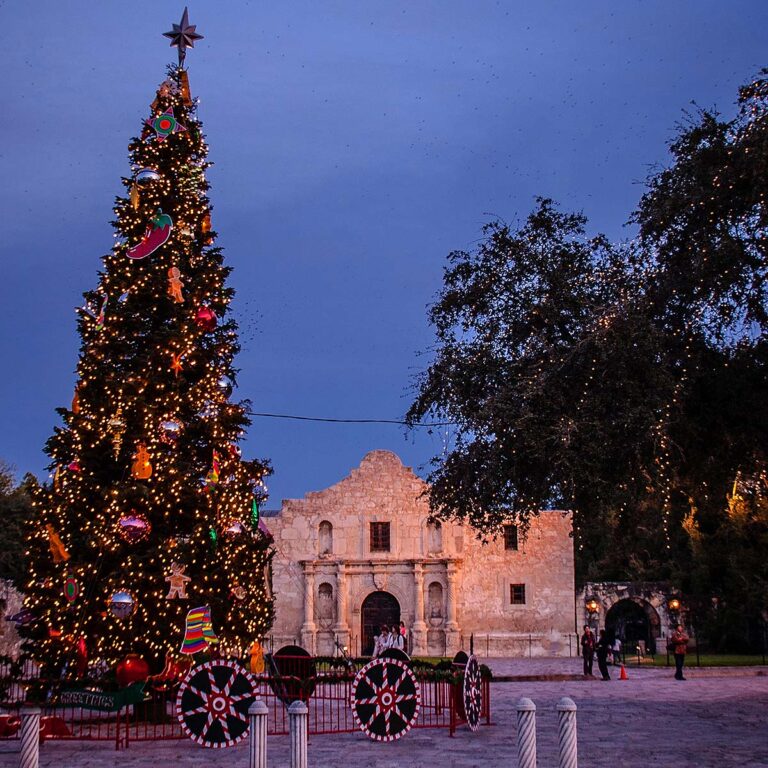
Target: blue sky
{"type": "Point", "coordinates": [355, 145]}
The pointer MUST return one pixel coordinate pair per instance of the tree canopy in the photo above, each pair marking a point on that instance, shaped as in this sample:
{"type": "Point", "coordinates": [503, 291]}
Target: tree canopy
{"type": "Point", "coordinates": [623, 381]}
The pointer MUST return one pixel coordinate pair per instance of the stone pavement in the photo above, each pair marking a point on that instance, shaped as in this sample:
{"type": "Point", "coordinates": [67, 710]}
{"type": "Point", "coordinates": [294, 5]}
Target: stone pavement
{"type": "Point", "coordinates": [715, 718]}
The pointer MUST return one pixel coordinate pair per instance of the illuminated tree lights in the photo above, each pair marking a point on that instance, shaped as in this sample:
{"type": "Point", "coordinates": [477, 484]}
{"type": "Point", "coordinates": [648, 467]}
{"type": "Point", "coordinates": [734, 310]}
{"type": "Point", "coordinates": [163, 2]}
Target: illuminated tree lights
{"type": "Point", "coordinates": [132, 502]}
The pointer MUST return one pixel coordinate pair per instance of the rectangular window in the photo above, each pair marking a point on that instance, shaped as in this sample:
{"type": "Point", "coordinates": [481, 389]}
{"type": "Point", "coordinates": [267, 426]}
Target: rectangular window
{"type": "Point", "coordinates": [510, 537]}
{"type": "Point", "coordinates": [379, 537]}
{"type": "Point", "coordinates": [517, 594]}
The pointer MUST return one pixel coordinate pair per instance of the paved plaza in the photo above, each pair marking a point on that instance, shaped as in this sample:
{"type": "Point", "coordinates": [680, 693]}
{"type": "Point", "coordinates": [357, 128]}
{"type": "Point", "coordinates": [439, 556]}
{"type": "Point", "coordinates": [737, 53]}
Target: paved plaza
{"type": "Point", "coordinates": [715, 718]}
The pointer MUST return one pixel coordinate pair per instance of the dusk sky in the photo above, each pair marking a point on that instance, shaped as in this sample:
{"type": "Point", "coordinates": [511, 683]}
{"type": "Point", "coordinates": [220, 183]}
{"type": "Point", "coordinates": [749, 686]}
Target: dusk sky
{"type": "Point", "coordinates": [355, 145]}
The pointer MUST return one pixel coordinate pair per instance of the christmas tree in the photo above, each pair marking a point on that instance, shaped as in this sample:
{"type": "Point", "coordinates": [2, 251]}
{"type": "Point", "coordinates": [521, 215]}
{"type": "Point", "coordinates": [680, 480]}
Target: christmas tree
{"type": "Point", "coordinates": [147, 538]}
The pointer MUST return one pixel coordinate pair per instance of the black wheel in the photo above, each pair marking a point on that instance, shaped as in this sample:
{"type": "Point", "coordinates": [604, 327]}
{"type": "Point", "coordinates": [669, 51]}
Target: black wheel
{"type": "Point", "coordinates": [385, 699]}
{"type": "Point", "coordinates": [394, 653]}
{"type": "Point", "coordinates": [291, 674]}
{"type": "Point", "coordinates": [212, 703]}
{"type": "Point", "coordinates": [472, 693]}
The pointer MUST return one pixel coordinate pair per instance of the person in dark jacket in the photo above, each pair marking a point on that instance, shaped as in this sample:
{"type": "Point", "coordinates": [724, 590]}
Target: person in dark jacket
{"type": "Point", "coordinates": [603, 649]}
{"type": "Point", "coordinates": [587, 649]}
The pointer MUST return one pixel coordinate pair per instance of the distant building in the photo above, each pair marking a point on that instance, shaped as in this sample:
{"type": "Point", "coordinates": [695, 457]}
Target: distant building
{"type": "Point", "coordinates": [363, 552]}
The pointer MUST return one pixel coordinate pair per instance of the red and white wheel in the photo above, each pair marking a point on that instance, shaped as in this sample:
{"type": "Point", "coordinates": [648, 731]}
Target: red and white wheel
{"type": "Point", "coordinates": [212, 703]}
{"type": "Point", "coordinates": [385, 699]}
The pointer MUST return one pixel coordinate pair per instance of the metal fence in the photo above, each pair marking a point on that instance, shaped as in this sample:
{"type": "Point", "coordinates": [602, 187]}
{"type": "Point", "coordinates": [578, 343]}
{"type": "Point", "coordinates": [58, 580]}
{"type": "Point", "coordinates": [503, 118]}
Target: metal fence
{"type": "Point", "coordinates": [327, 694]}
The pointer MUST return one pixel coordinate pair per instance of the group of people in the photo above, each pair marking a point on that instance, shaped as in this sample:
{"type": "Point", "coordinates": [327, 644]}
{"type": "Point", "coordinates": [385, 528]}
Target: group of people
{"type": "Point", "coordinates": [603, 648]}
{"type": "Point", "coordinates": [390, 637]}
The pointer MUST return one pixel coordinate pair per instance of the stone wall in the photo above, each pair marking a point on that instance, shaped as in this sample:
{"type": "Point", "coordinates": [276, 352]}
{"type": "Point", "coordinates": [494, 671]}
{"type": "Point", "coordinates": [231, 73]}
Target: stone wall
{"type": "Point", "coordinates": [448, 584]}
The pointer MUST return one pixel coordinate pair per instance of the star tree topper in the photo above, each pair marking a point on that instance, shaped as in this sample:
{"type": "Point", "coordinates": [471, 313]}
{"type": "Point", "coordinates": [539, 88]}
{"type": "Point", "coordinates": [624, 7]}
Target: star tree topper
{"type": "Point", "coordinates": [183, 36]}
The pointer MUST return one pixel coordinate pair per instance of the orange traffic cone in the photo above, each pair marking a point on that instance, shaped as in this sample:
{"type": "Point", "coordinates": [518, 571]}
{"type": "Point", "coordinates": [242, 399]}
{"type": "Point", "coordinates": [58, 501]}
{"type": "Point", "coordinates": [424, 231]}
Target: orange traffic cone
{"type": "Point", "coordinates": [623, 674]}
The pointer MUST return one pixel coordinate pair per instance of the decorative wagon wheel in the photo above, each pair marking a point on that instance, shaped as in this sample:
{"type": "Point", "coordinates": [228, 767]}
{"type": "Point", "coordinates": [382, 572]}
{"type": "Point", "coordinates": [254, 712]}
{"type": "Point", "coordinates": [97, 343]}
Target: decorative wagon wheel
{"type": "Point", "coordinates": [212, 704]}
{"type": "Point", "coordinates": [385, 699]}
{"type": "Point", "coordinates": [292, 674]}
{"type": "Point", "coordinates": [472, 693]}
{"type": "Point", "coordinates": [394, 653]}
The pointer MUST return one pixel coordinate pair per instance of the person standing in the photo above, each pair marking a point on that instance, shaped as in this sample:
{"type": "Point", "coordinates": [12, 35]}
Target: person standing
{"type": "Point", "coordinates": [603, 647]}
{"type": "Point", "coordinates": [679, 643]}
{"type": "Point", "coordinates": [382, 641]}
{"type": "Point", "coordinates": [616, 651]}
{"type": "Point", "coordinates": [587, 649]}
{"type": "Point", "coordinates": [397, 640]}
{"type": "Point", "coordinates": [404, 635]}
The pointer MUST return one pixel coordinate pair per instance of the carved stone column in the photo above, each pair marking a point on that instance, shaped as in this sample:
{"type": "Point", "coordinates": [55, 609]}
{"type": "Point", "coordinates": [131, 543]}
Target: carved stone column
{"type": "Point", "coordinates": [308, 628]}
{"type": "Point", "coordinates": [419, 628]}
{"type": "Point", "coordinates": [452, 626]}
{"type": "Point", "coordinates": [341, 627]}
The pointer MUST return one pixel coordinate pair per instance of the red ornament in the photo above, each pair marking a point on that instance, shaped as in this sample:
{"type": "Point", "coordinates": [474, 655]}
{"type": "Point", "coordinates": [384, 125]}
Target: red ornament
{"type": "Point", "coordinates": [206, 319]}
{"type": "Point", "coordinates": [132, 669]}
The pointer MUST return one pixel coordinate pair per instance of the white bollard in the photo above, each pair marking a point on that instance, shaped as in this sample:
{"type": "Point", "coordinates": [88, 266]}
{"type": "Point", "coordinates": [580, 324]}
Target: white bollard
{"type": "Point", "coordinates": [526, 734]}
{"type": "Point", "coordinates": [297, 734]}
{"type": "Point", "coordinates": [257, 756]}
{"type": "Point", "coordinates": [29, 756]}
{"type": "Point", "coordinates": [566, 733]}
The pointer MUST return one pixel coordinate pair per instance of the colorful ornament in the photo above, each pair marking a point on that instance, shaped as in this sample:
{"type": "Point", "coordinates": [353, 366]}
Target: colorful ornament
{"type": "Point", "coordinates": [145, 175]}
{"type": "Point", "coordinates": [117, 427]}
{"type": "Point", "coordinates": [132, 669]}
{"type": "Point", "coordinates": [238, 592]}
{"type": "Point", "coordinates": [257, 658]}
{"type": "Point", "coordinates": [186, 94]}
{"type": "Point", "coordinates": [173, 671]}
{"type": "Point", "coordinates": [206, 319]}
{"type": "Point", "coordinates": [199, 632]}
{"type": "Point", "coordinates": [135, 198]}
{"type": "Point", "coordinates": [122, 604]}
{"type": "Point", "coordinates": [133, 527]}
{"type": "Point", "coordinates": [212, 478]}
{"type": "Point", "coordinates": [74, 466]}
{"type": "Point", "coordinates": [124, 297]}
{"type": "Point", "coordinates": [164, 125]}
{"type": "Point", "coordinates": [175, 285]}
{"type": "Point", "coordinates": [71, 589]}
{"type": "Point", "coordinates": [234, 528]}
{"type": "Point", "coordinates": [141, 468]}
{"type": "Point", "coordinates": [214, 537]}
{"type": "Point", "coordinates": [205, 228]}
{"type": "Point", "coordinates": [176, 366]}
{"type": "Point", "coordinates": [75, 407]}
{"type": "Point", "coordinates": [156, 234]}
{"type": "Point", "coordinates": [177, 582]}
{"type": "Point", "coordinates": [99, 316]}
{"type": "Point", "coordinates": [58, 550]}
{"type": "Point", "coordinates": [170, 431]}
{"type": "Point", "coordinates": [254, 515]}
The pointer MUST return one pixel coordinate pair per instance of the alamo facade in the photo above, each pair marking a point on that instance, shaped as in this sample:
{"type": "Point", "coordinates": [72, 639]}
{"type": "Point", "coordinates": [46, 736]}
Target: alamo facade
{"type": "Point", "coordinates": [363, 552]}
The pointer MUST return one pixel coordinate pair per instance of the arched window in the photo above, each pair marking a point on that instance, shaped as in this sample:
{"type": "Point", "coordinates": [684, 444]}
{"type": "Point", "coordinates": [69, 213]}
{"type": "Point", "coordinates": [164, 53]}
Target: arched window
{"type": "Point", "coordinates": [325, 538]}
{"type": "Point", "coordinates": [434, 538]}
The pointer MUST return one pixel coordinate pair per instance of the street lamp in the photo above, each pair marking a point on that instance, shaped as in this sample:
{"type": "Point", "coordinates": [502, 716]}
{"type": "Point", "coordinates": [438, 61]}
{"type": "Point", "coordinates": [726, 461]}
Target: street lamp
{"type": "Point", "coordinates": [593, 608]}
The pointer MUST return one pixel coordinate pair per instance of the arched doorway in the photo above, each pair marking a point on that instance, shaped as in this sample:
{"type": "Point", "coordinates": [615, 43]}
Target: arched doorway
{"type": "Point", "coordinates": [378, 608]}
{"type": "Point", "coordinates": [633, 622]}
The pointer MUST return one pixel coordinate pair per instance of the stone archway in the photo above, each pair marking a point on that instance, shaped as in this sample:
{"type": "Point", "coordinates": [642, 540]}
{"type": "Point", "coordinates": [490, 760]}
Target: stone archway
{"type": "Point", "coordinates": [377, 609]}
{"type": "Point", "coordinates": [635, 622]}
